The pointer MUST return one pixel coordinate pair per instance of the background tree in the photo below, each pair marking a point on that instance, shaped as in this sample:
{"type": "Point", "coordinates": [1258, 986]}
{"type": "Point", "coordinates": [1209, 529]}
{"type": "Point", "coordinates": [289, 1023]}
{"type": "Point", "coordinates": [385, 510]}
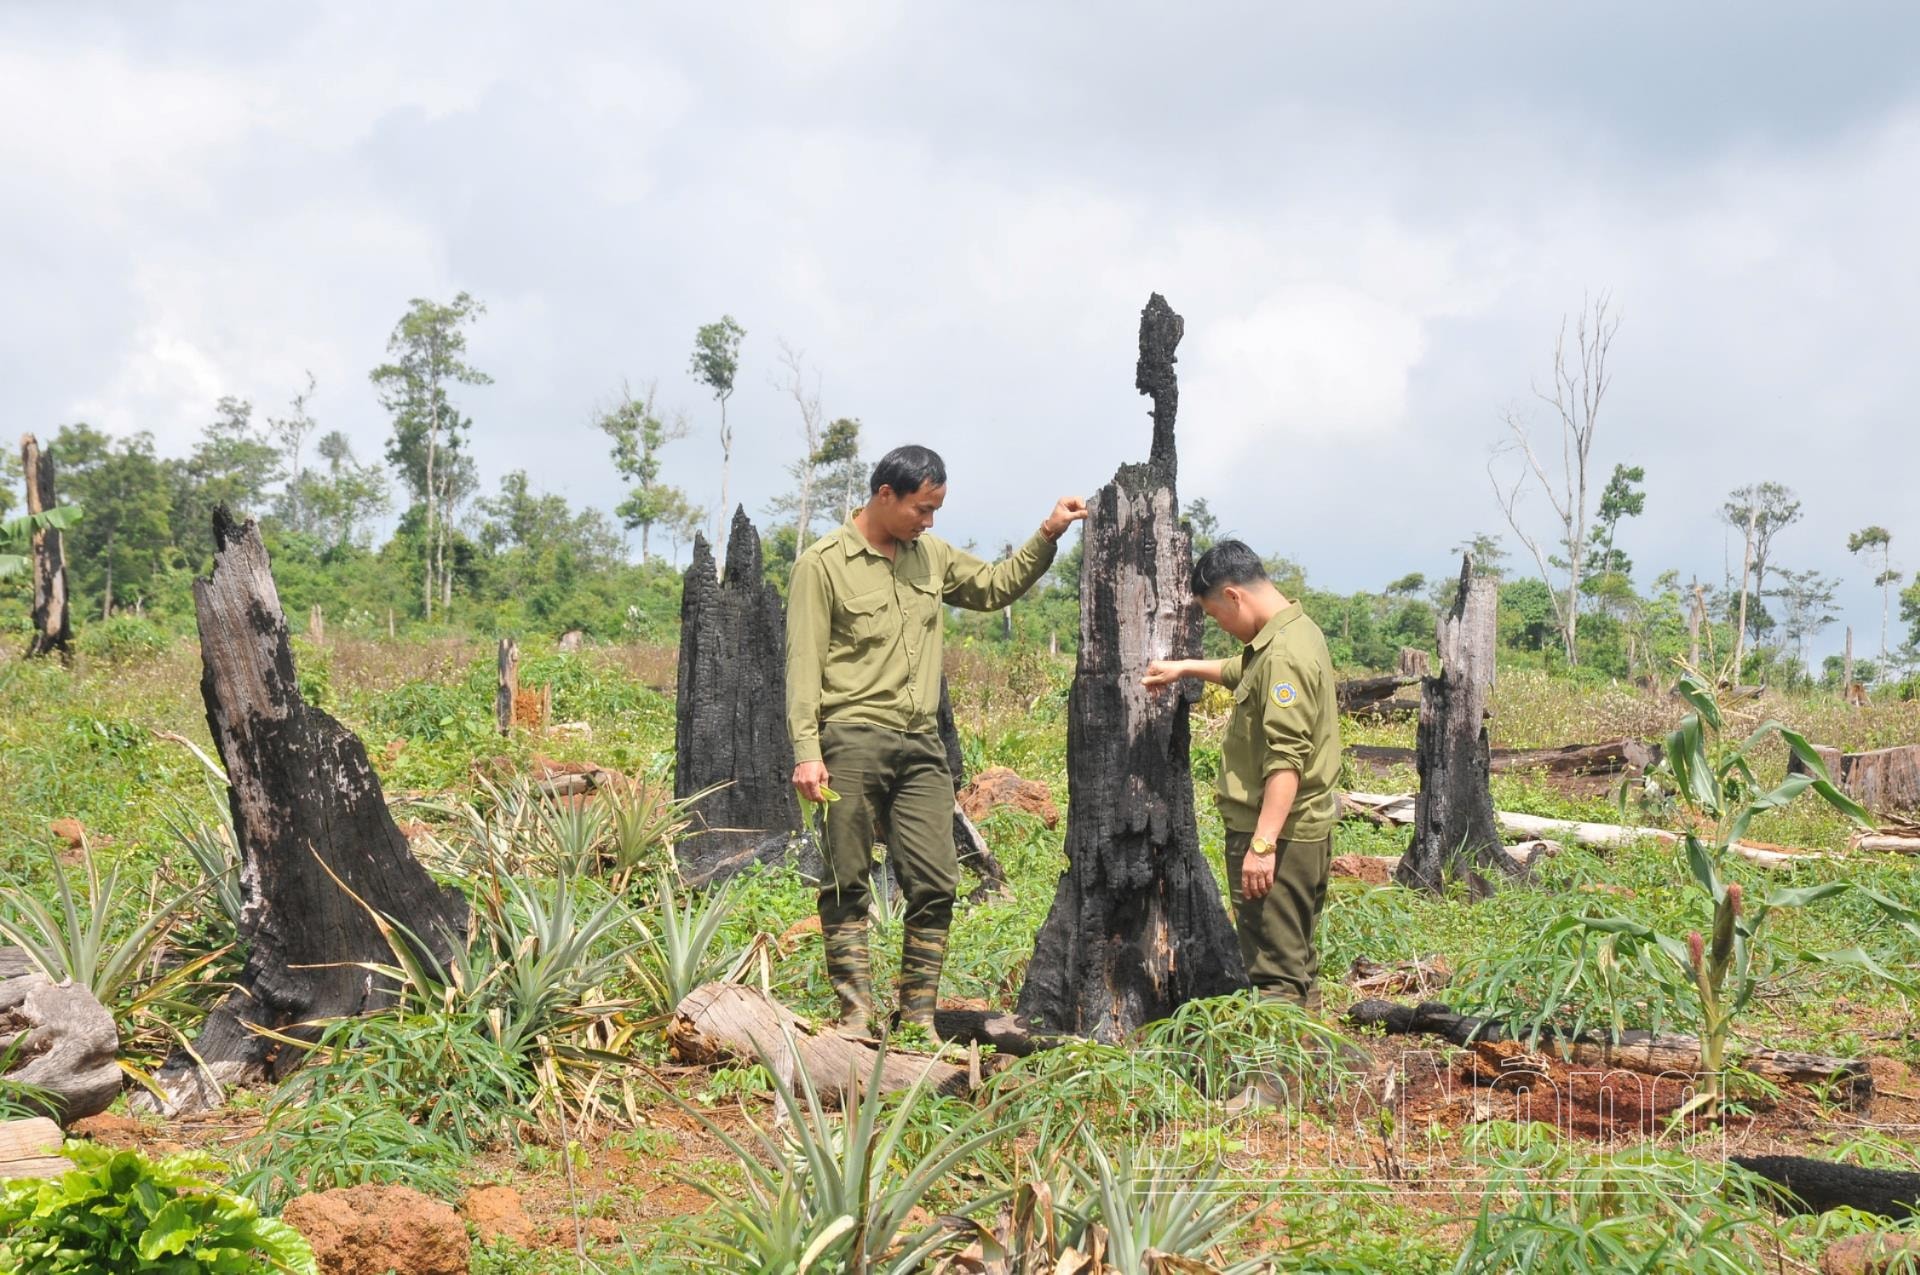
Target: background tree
{"type": "Point", "coordinates": [291, 433]}
{"type": "Point", "coordinates": [1806, 600]}
{"type": "Point", "coordinates": [843, 475]}
{"type": "Point", "coordinates": [427, 352]}
{"type": "Point", "coordinates": [234, 464]}
{"type": "Point", "coordinates": [1580, 382]}
{"type": "Point", "coordinates": [1203, 525]}
{"type": "Point", "coordinates": [807, 399]}
{"type": "Point", "coordinates": [1620, 499]}
{"type": "Point", "coordinates": [715, 364]}
{"type": "Point", "coordinates": [125, 540]}
{"type": "Point", "coordinates": [638, 434]}
{"type": "Point", "coordinates": [1866, 540]}
{"type": "Point", "coordinates": [1489, 554]}
{"type": "Point", "coordinates": [10, 481]}
{"type": "Point", "coordinates": [338, 502]}
{"type": "Point", "coordinates": [1760, 511]}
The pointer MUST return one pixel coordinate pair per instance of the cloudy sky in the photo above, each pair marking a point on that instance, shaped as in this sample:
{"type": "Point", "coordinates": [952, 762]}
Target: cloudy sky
{"type": "Point", "coordinates": [1372, 216]}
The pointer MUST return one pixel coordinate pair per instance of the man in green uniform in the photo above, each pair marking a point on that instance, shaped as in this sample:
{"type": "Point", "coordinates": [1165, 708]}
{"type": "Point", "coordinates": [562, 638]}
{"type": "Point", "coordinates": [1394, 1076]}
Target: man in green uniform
{"type": "Point", "coordinates": [1278, 766]}
{"type": "Point", "coordinates": [864, 618]}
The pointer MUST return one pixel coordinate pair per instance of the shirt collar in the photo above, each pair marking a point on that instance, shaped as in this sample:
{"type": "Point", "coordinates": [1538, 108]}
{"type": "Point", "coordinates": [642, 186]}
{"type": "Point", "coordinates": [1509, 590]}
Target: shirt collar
{"type": "Point", "coordinates": [854, 543]}
{"type": "Point", "coordinates": [1282, 618]}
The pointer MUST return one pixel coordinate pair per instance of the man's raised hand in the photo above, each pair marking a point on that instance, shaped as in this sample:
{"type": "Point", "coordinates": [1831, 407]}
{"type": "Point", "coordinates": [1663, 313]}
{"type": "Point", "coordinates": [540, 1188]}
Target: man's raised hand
{"type": "Point", "coordinates": [1066, 511]}
{"type": "Point", "coordinates": [1162, 673]}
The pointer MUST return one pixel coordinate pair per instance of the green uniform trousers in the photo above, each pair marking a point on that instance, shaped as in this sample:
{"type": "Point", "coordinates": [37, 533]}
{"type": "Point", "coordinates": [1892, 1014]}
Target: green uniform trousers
{"type": "Point", "coordinates": [1276, 932]}
{"type": "Point", "coordinates": [901, 780]}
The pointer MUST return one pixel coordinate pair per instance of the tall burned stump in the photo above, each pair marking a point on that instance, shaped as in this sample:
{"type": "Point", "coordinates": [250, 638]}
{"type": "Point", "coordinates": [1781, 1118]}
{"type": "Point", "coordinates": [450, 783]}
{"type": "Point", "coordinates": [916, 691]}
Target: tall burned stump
{"type": "Point", "coordinates": [52, 625]}
{"type": "Point", "coordinates": [1455, 834]}
{"type": "Point", "coordinates": [320, 854]}
{"type": "Point", "coordinates": [1137, 926]}
{"type": "Point", "coordinates": [730, 721]}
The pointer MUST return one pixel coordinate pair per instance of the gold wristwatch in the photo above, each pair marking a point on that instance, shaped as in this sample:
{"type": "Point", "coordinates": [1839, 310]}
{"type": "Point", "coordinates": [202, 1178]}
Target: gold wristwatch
{"type": "Point", "coordinates": [1259, 846]}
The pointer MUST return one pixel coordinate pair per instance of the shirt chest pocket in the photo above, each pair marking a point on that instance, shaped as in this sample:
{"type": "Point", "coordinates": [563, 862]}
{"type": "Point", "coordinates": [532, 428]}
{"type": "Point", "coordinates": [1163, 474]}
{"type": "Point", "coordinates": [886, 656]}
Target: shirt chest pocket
{"type": "Point", "coordinates": [862, 621]}
{"type": "Point", "coordinates": [921, 598]}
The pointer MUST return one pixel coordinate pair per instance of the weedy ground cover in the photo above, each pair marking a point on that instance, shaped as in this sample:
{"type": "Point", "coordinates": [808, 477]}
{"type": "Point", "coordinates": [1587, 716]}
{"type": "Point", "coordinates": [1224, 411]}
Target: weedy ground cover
{"type": "Point", "coordinates": [537, 1061]}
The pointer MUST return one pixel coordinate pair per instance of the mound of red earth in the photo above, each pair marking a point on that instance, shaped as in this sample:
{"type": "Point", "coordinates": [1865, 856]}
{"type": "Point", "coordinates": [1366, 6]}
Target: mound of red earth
{"type": "Point", "coordinates": [998, 788]}
{"type": "Point", "coordinates": [374, 1230]}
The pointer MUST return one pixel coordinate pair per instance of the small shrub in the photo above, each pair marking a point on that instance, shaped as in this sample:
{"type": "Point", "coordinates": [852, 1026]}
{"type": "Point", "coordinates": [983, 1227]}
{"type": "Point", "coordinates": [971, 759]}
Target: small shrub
{"type": "Point", "coordinates": [122, 639]}
{"type": "Point", "coordinates": [119, 1211]}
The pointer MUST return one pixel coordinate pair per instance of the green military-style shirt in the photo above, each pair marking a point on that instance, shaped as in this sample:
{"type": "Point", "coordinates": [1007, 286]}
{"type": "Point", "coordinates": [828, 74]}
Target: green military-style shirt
{"type": "Point", "coordinates": [863, 633]}
{"type": "Point", "coordinates": [1285, 717]}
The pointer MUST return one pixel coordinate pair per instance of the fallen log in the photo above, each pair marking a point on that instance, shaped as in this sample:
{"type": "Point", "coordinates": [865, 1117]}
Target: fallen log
{"type": "Point", "coordinates": [1360, 694]}
{"type": "Point", "coordinates": [1398, 810]}
{"type": "Point", "coordinates": [31, 1149]}
{"type": "Point", "coordinates": [1815, 1186]}
{"type": "Point", "coordinates": [725, 1023]}
{"type": "Point", "coordinates": [1887, 844]}
{"type": "Point", "coordinates": [1641, 1051]}
{"type": "Point", "coordinates": [57, 1039]}
{"type": "Point", "coordinates": [1613, 757]}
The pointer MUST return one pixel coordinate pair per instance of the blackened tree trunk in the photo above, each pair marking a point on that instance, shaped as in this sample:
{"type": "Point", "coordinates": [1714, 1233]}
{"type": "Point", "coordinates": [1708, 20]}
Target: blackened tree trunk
{"type": "Point", "coordinates": [730, 724]}
{"type": "Point", "coordinates": [1455, 833]}
{"type": "Point", "coordinates": [1137, 926]}
{"type": "Point", "coordinates": [52, 627]}
{"type": "Point", "coordinates": [320, 853]}
{"type": "Point", "coordinates": [506, 684]}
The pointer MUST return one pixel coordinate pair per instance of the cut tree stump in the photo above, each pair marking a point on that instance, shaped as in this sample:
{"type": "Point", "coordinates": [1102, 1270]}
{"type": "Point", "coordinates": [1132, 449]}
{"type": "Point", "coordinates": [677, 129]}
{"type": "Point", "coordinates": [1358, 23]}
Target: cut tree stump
{"type": "Point", "coordinates": [1137, 927]}
{"type": "Point", "coordinates": [1886, 780]}
{"type": "Point", "coordinates": [1454, 832]}
{"type": "Point", "coordinates": [314, 832]}
{"type": "Point", "coordinates": [67, 1043]}
{"type": "Point", "coordinates": [1639, 1051]}
{"type": "Point", "coordinates": [31, 1149]}
{"type": "Point", "coordinates": [726, 1023]}
{"type": "Point", "coordinates": [730, 720]}
{"type": "Point", "coordinates": [52, 625]}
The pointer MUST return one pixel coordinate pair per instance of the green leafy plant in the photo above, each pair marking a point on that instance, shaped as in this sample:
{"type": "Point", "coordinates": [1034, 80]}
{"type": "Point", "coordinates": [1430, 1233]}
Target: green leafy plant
{"type": "Point", "coordinates": [119, 1211]}
{"type": "Point", "coordinates": [15, 533]}
{"type": "Point", "coordinates": [1149, 1209]}
{"type": "Point", "coordinates": [78, 939]}
{"type": "Point", "coordinates": [834, 1191]}
{"type": "Point", "coordinates": [1549, 1208]}
{"type": "Point", "coordinates": [1706, 981]}
{"type": "Point", "coordinates": [1224, 1043]}
{"type": "Point", "coordinates": [679, 950]}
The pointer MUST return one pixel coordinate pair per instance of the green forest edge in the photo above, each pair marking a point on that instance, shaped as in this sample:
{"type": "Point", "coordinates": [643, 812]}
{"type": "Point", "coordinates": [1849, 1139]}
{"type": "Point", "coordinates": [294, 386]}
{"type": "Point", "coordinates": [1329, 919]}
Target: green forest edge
{"type": "Point", "coordinates": [486, 1079]}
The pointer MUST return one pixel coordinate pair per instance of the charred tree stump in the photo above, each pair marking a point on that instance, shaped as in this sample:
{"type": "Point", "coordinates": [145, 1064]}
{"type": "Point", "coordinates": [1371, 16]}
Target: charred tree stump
{"type": "Point", "coordinates": [52, 626]}
{"type": "Point", "coordinates": [1817, 1186]}
{"type": "Point", "coordinates": [730, 726]}
{"type": "Point", "coordinates": [1414, 663]}
{"type": "Point", "coordinates": [972, 848]}
{"type": "Point", "coordinates": [1137, 926]}
{"type": "Point", "coordinates": [507, 687]}
{"type": "Point", "coordinates": [320, 854]}
{"type": "Point", "coordinates": [1455, 832]}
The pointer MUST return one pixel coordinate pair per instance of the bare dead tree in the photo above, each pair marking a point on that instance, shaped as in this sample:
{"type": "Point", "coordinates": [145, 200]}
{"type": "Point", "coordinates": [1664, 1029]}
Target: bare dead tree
{"type": "Point", "coordinates": [807, 398]}
{"type": "Point", "coordinates": [1580, 382]}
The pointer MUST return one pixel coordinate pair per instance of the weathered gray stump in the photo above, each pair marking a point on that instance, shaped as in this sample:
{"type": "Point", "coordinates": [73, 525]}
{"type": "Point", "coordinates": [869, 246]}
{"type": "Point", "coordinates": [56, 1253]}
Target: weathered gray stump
{"type": "Point", "coordinates": [314, 833]}
{"type": "Point", "coordinates": [507, 685]}
{"type": "Point", "coordinates": [52, 625]}
{"type": "Point", "coordinates": [1454, 830]}
{"type": "Point", "coordinates": [57, 1040]}
{"type": "Point", "coordinates": [1886, 780]}
{"type": "Point", "coordinates": [1137, 926]}
{"type": "Point", "coordinates": [730, 724]}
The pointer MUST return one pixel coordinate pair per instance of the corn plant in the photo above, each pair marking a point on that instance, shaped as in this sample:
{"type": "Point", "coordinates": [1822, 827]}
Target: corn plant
{"type": "Point", "coordinates": [836, 1191]}
{"type": "Point", "coordinates": [1708, 981]}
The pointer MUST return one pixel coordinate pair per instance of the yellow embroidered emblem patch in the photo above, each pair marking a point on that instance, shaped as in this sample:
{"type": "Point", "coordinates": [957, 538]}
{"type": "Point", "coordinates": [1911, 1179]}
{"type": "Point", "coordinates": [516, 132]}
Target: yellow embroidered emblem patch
{"type": "Point", "coordinates": [1283, 694]}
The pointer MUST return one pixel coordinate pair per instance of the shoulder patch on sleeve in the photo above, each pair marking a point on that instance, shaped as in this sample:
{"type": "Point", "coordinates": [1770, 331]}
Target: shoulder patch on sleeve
{"type": "Point", "coordinates": [1283, 694]}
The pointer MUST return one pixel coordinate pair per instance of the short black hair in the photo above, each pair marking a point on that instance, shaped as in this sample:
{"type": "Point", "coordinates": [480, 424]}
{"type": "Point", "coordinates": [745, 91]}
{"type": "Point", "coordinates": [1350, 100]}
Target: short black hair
{"type": "Point", "coordinates": [908, 469]}
{"type": "Point", "coordinates": [1229, 562]}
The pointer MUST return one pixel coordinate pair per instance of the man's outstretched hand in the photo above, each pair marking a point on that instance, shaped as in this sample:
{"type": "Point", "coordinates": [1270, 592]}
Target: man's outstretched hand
{"type": "Point", "coordinates": [1163, 673]}
{"type": "Point", "coordinates": [1066, 511]}
{"type": "Point", "coordinates": [809, 778]}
